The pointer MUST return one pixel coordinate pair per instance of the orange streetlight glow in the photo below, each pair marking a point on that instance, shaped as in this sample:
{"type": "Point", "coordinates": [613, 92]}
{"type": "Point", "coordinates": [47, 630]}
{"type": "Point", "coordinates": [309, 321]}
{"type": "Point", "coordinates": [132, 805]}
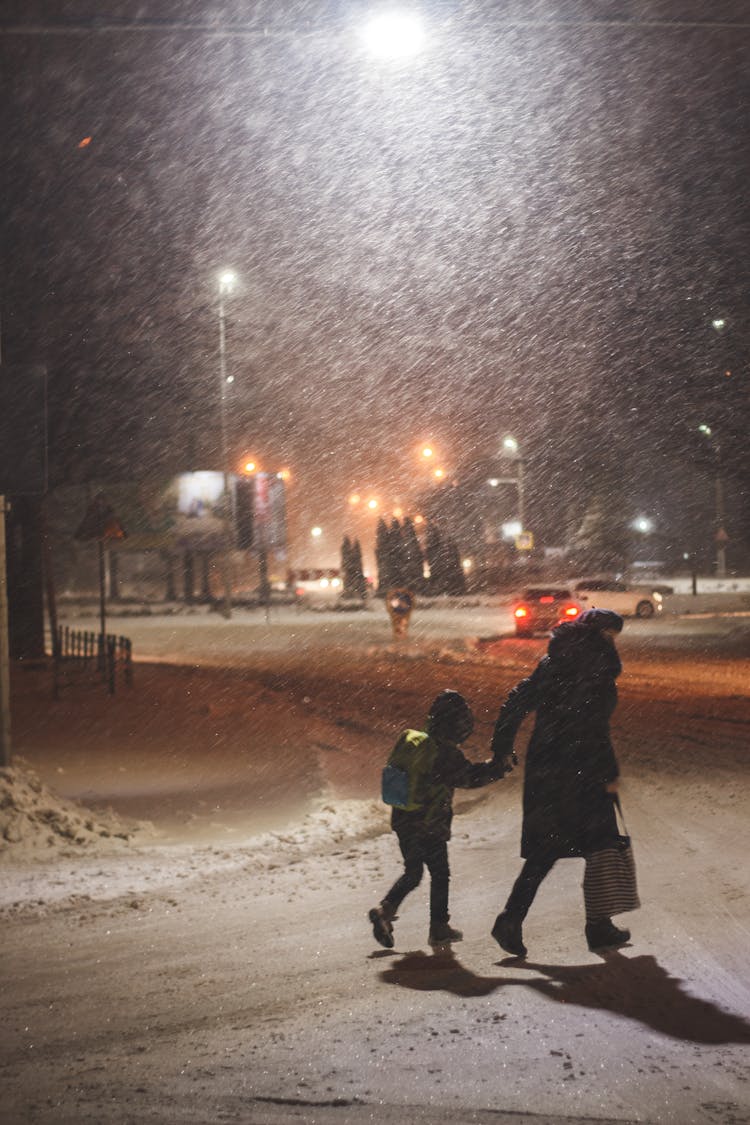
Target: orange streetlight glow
{"type": "Point", "coordinates": [427, 451]}
{"type": "Point", "coordinates": [354, 498]}
{"type": "Point", "coordinates": [249, 467]}
{"type": "Point", "coordinates": [372, 504]}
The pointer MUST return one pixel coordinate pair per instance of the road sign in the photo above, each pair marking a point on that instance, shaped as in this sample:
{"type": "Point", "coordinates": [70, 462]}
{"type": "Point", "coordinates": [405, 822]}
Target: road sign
{"type": "Point", "coordinates": [100, 522]}
{"type": "Point", "coordinates": [721, 536]}
{"type": "Point", "coordinates": [525, 541]}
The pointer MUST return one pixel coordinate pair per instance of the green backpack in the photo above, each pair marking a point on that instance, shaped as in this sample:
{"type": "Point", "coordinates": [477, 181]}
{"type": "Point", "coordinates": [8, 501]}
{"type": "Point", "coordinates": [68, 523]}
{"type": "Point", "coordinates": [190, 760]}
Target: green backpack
{"type": "Point", "coordinates": [408, 767]}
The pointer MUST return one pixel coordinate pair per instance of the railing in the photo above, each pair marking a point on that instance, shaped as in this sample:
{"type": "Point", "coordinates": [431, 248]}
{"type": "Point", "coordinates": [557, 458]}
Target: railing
{"type": "Point", "coordinates": [78, 652]}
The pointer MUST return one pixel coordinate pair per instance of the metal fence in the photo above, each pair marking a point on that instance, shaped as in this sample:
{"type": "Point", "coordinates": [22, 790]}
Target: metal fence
{"type": "Point", "coordinates": [79, 653]}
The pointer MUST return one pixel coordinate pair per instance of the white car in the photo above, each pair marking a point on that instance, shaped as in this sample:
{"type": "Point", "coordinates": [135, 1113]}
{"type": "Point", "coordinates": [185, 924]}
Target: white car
{"type": "Point", "coordinates": [626, 600]}
{"type": "Point", "coordinates": [316, 586]}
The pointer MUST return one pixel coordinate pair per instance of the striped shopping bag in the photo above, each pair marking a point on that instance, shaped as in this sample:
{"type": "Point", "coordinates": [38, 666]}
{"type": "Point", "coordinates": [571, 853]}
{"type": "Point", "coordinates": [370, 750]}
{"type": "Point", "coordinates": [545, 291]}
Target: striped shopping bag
{"type": "Point", "coordinates": [609, 881]}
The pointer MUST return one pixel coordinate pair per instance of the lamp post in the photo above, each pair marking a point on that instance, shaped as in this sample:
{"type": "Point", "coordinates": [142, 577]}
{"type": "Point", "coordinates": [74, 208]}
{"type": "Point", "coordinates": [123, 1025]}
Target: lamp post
{"type": "Point", "coordinates": [227, 280]}
{"type": "Point", "coordinates": [721, 536]}
{"type": "Point", "coordinates": [511, 449]}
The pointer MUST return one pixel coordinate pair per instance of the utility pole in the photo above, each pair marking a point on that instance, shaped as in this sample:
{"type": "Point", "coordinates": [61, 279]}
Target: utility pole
{"type": "Point", "coordinates": [5, 743]}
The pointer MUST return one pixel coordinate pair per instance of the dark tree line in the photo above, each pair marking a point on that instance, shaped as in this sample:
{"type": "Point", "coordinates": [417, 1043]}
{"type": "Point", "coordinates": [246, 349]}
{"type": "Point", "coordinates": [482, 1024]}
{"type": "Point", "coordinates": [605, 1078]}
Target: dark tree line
{"type": "Point", "coordinates": [354, 581]}
{"type": "Point", "coordinates": [400, 560]}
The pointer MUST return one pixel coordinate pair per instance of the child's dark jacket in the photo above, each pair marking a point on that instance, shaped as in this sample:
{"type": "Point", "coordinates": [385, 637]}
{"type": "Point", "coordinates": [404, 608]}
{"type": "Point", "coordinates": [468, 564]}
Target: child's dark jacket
{"type": "Point", "coordinates": [447, 770]}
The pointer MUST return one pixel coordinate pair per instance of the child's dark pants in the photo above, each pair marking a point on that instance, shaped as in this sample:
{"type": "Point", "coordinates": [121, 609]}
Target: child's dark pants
{"type": "Point", "coordinates": [420, 851]}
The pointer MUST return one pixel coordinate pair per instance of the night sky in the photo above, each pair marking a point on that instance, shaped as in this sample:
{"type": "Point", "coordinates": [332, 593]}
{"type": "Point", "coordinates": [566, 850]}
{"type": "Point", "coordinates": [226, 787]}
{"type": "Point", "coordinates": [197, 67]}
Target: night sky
{"type": "Point", "coordinates": [531, 227]}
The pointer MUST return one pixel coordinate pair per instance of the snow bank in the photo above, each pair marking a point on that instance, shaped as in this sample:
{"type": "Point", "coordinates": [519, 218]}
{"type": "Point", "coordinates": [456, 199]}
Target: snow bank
{"type": "Point", "coordinates": [33, 819]}
{"type": "Point", "coordinates": [334, 822]}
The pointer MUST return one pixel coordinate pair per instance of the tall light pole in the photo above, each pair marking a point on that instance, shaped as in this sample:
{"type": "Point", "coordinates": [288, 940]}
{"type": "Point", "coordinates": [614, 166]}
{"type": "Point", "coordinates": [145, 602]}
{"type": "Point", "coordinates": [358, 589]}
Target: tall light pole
{"type": "Point", "coordinates": [720, 536]}
{"type": "Point", "coordinates": [511, 449]}
{"type": "Point", "coordinates": [227, 281]}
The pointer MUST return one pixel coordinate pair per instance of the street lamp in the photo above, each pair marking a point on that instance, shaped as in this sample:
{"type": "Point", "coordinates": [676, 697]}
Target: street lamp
{"type": "Point", "coordinates": [721, 536]}
{"type": "Point", "coordinates": [227, 281]}
{"type": "Point", "coordinates": [511, 449]}
{"type": "Point", "coordinates": [394, 35]}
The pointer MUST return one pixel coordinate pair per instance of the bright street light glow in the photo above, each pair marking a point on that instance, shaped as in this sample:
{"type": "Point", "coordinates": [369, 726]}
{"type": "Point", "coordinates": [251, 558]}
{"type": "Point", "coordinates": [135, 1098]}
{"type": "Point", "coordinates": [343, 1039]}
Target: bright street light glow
{"type": "Point", "coordinates": [718, 323]}
{"type": "Point", "coordinates": [372, 504]}
{"type": "Point", "coordinates": [249, 467]}
{"type": "Point", "coordinates": [510, 445]}
{"type": "Point", "coordinates": [427, 451]}
{"type": "Point", "coordinates": [439, 473]}
{"type": "Point", "coordinates": [316, 532]}
{"type": "Point", "coordinates": [704, 429]}
{"type": "Point", "coordinates": [643, 524]}
{"type": "Point", "coordinates": [227, 280]}
{"type": "Point", "coordinates": [354, 498]}
{"type": "Point", "coordinates": [394, 35]}
{"type": "Point", "coordinates": [511, 529]}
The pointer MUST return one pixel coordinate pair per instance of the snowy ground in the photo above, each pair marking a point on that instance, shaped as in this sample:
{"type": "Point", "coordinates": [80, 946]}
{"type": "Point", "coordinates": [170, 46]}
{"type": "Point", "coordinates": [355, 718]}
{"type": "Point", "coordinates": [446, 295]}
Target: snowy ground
{"type": "Point", "coordinates": [188, 942]}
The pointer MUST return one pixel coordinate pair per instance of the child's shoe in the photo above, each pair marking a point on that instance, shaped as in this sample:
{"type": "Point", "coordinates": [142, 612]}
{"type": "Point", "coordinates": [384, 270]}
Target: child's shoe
{"type": "Point", "coordinates": [605, 935]}
{"type": "Point", "coordinates": [382, 926]}
{"type": "Point", "coordinates": [507, 934]}
{"type": "Point", "coordinates": [443, 934]}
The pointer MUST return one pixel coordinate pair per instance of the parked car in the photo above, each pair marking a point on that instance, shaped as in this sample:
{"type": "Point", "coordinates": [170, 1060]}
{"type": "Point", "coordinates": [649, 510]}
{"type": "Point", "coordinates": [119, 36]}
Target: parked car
{"type": "Point", "coordinates": [540, 608]}
{"type": "Point", "coordinates": [626, 600]}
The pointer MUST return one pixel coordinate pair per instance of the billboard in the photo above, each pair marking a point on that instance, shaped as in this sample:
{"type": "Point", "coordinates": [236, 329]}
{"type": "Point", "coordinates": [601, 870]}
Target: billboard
{"type": "Point", "coordinates": [186, 512]}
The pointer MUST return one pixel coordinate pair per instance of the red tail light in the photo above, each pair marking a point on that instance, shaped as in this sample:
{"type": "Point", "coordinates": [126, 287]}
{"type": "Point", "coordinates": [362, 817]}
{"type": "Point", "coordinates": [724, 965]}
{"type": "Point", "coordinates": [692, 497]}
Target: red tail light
{"type": "Point", "coordinates": [572, 611]}
{"type": "Point", "coordinates": [546, 600]}
{"type": "Point", "coordinates": [521, 611]}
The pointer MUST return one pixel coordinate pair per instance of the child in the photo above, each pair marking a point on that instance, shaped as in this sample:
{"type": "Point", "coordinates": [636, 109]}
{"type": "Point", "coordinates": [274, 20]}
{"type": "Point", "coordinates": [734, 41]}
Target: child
{"type": "Point", "coordinates": [424, 827]}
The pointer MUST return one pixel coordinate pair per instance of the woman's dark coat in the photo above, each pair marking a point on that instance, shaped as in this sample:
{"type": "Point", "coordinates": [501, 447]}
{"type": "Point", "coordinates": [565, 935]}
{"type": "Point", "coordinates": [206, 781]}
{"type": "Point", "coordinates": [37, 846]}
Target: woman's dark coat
{"type": "Point", "coordinates": [566, 809]}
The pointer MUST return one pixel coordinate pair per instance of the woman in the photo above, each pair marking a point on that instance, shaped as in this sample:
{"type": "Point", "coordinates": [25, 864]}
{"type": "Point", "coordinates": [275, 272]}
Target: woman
{"type": "Point", "coordinates": [571, 772]}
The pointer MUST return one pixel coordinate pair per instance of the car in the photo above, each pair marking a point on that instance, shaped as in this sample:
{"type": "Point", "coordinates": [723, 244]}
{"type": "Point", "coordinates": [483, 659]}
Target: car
{"type": "Point", "coordinates": [540, 608]}
{"type": "Point", "coordinates": [316, 586]}
{"type": "Point", "coordinates": [629, 601]}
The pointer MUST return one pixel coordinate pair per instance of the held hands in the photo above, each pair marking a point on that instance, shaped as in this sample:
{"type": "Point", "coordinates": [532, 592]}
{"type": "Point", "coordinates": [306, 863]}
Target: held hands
{"type": "Point", "coordinates": [504, 763]}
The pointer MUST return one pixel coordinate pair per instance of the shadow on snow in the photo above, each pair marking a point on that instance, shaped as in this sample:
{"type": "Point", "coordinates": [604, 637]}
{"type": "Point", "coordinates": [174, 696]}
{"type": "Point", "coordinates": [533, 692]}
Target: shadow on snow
{"type": "Point", "coordinates": [635, 987]}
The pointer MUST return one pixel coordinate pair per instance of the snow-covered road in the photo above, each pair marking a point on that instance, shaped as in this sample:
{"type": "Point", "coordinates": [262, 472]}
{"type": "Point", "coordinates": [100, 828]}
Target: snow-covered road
{"type": "Point", "coordinates": [204, 972]}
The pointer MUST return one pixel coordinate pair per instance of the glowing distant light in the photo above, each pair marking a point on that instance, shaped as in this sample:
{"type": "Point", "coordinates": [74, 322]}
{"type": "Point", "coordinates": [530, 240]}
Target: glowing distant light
{"type": "Point", "coordinates": [511, 529]}
{"type": "Point", "coordinates": [85, 142]}
{"type": "Point", "coordinates": [248, 467]}
{"type": "Point", "coordinates": [227, 280]}
{"type": "Point", "coordinates": [398, 513]}
{"type": "Point", "coordinates": [419, 519]}
{"type": "Point", "coordinates": [439, 473]}
{"type": "Point", "coordinates": [428, 451]}
{"type": "Point", "coordinates": [467, 564]}
{"type": "Point", "coordinates": [643, 524]}
{"type": "Point", "coordinates": [316, 532]}
{"type": "Point", "coordinates": [354, 498]}
{"type": "Point", "coordinates": [394, 35]}
{"type": "Point", "coordinates": [284, 474]}
{"type": "Point", "coordinates": [718, 323]}
{"type": "Point", "coordinates": [510, 445]}
{"type": "Point", "coordinates": [704, 429]}
{"type": "Point", "coordinates": [493, 482]}
{"type": "Point", "coordinates": [372, 504]}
